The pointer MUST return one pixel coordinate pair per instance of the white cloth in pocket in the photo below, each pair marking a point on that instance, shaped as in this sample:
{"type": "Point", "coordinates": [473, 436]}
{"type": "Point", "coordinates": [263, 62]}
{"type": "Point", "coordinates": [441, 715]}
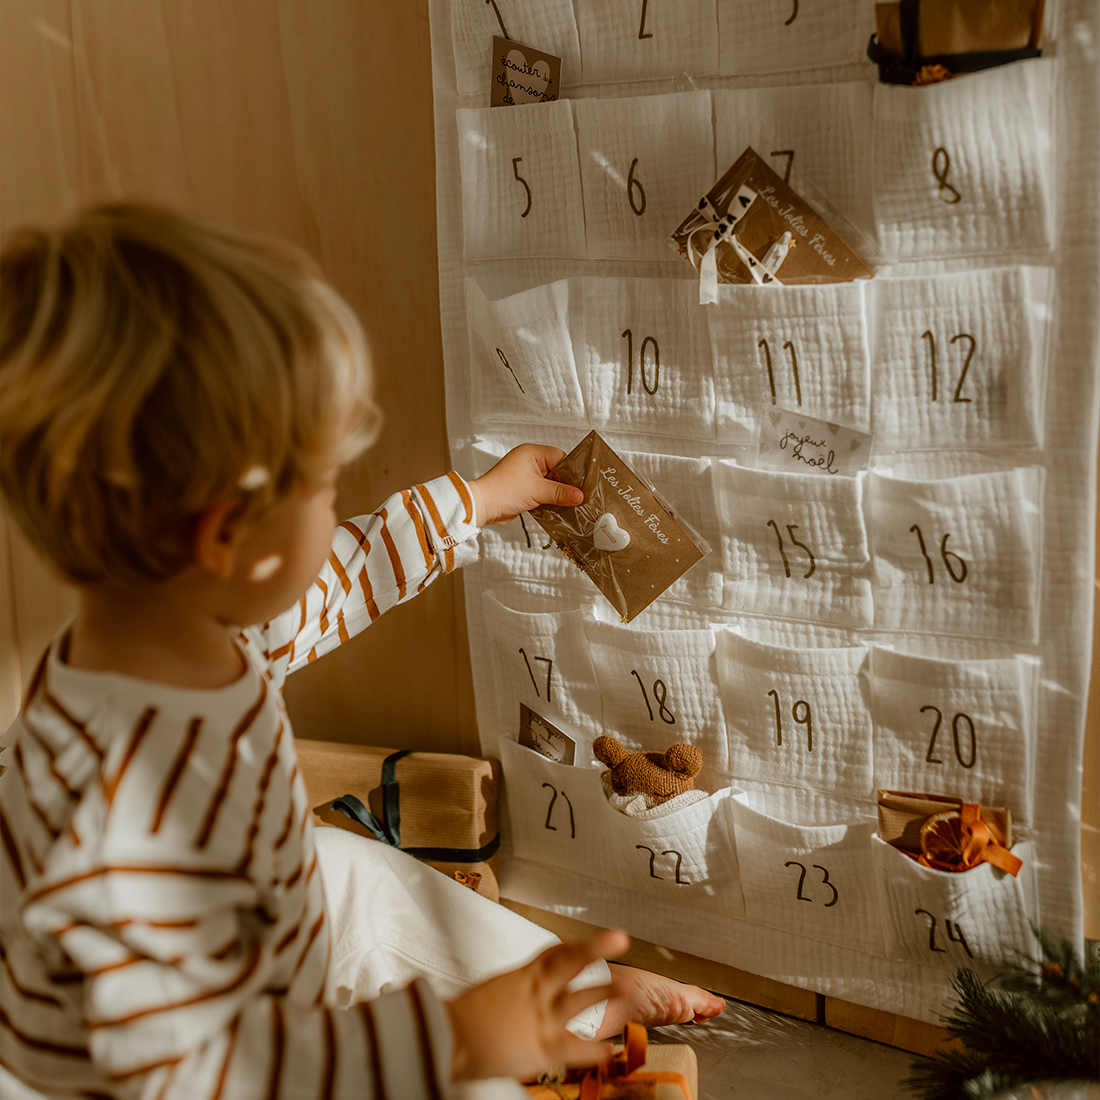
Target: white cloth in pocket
{"type": "Point", "coordinates": [541, 659]}
{"type": "Point", "coordinates": [643, 39]}
{"type": "Point", "coordinates": [547, 25]}
{"type": "Point", "coordinates": [687, 857]}
{"type": "Point", "coordinates": [644, 163]}
{"type": "Point", "coordinates": [959, 359]}
{"type": "Point", "coordinates": [960, 727]}
{"type": "Point", "coordinates": [521, 182]}
{"type": "Point", "coordinates": [782, 36]}
{"type": "Point", "coordinates": [799, 347]}
{"type": "Point", "coordinates": [794, 545]}
{"type": "Point", "coordinates": [555, 811]}
{"type": "Point", "coordinates": [647, 359]}
{"type": "Point", "coordinates": [949, 919]}
{"type": "Point", "coordinates": [659, 688]}
{"type": "Point", "coordinates": [962, 167]}
{"type": "Point", "coordinates": [820, 132]}
{"type": "Point", "coordinates": [685, 483]}
{"type": "Point", "coordinates": [958, 556]}
{"type": "Point", "coordinates": [812, 880]}
{"type": "Point", "coordinates": [798, 716]}
{"type": "Point", "coordinates": [521, 356]}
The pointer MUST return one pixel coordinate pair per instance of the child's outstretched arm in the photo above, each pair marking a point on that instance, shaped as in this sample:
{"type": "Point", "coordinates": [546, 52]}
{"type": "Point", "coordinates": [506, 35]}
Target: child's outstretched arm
{"type": "Point", "coordinates": [386, 557]}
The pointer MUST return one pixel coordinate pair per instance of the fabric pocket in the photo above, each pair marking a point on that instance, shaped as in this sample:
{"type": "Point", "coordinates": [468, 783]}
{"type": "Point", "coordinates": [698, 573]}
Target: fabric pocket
{"type": "Point", "coordinates": [793, 545]}
{"type": "Point", "coordinates": [555, 812]}
{"type": "Point", "coordinates": [962, 727]}
{"type": "Point", "coordinates": [644, 164]}
{"type": "Point", "coordinates": [647, 358]}
{"type": "Point", "coordinates": [641, 41]}
{"type": "Point", "coordinates": [661, 687]}
{"type": "Point", "coordinates": [958, 556]}
{"type": "Point", "coordinates": [962, 167]}
{"type": "Point", "coordinates": [542, 659]}
{"type": "Point", "coordinates": [805, 347]}
{"type": "Point", "coordinates": [959, 359]}
{"type": "Point", "coordinates": [521, 356]}
{"type": "Point", "coordinates": [521, 183]}
{"type": "Point", "coordinates": [797, 716]}
{"type": "Point", "coordinates": [810, 880]}
{"type": "Point", "coordinates": [941, 918]}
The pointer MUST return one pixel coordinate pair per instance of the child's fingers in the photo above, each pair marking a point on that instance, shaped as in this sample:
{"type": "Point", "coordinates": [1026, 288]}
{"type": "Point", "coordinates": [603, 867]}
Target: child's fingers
{"type": "Point", "coordinates": [547, 457]}
{"type": "Point", "coordinates": [545, 491]}
{"type": "Point", "coordinates": [565, 961]}
{"type": "Point", "coordinates": [573, 1004]}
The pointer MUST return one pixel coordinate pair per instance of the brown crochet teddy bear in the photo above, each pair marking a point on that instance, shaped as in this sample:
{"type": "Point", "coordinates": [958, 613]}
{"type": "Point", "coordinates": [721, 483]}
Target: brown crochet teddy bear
{"type": "Point", "coordinates": [658, 775]}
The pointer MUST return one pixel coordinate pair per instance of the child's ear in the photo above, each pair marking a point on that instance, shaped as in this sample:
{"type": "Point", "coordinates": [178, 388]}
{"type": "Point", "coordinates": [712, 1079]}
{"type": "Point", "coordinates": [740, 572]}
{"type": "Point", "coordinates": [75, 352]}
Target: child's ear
{"type": "Point", "coordinates": [215, 542]}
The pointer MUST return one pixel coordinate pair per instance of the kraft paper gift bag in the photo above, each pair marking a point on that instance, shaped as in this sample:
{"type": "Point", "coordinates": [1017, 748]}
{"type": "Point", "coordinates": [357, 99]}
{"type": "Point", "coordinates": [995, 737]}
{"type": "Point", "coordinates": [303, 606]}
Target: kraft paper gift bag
{"type": "Point", "coordinates": [521, 183]}
{"type": "Point", "coordinates": [782, 36]}
{"type": "Point", "coordinates": [439, 807]}
{"type": "Point", "coordinates": [957, 556]}
{"type": "Point", "coordinates": [796, 547]}
{"type": "Point", "coordinates": [796, 346]}
{"type": "Point", "coordinates": [959, 359]}
{"type": "Point", "coordinates": [555, 811]}
{"type": "Point", "coordinates": [642, 161]}
{"type": "Point", "coordinates": [952, 919]}
{"type": "Point", "coordinates": [814, 881]}
{"type": "Point", "coordinates": [660, 687]}
{"type": "Point", "coordinates": [964, 727]}
{"type": "Point", "coordinates": [637, 41]}
{"type": "Point", "coordinates": [542, 660]}
{"type": "Point", "coordinates": [798, 716]}
{"type": "Point", "coordinates": [521, 356]}
{"type": "Point", "coordinates": [546, 24]}
{"type": "Point", "coordinates": [963, 168]}
{"type": "Point", "coordinates": [647, 358]}
{"type": "Point", "coordinates": [820, 133]}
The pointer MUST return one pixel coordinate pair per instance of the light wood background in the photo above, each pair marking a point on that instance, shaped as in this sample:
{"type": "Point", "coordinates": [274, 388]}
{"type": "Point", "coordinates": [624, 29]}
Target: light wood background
{"type": "Point", "coordinates": [311, 120]}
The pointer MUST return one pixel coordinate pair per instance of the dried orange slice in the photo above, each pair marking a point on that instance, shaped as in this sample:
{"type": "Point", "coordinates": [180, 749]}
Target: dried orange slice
{"type": "Point", "coordinates": [941, 841]}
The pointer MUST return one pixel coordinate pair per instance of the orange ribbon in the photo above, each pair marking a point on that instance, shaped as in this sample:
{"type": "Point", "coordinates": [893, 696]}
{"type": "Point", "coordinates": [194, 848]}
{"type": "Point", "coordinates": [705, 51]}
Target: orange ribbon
{"type": "Point", "coordinates": [958, 840]}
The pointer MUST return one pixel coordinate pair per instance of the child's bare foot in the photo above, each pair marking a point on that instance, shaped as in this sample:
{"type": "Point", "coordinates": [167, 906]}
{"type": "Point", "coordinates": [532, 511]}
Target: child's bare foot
{"type": "Point", "coordinates": [655, 1000]}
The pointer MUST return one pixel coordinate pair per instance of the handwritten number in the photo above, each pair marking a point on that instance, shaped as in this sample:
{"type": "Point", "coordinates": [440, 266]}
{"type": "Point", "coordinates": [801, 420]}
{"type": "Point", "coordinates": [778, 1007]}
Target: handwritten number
{"type": "Point", "coordinates": [958, 398]}
{"type": "Point", "coordinates": [801, 878]}
{"type": "Point", "coordinates": [973, 740]}
{"type": "Point", "coordinates": [928, 757]}
{"type": "Point", "coordinates": [530, 672]}
{"type": "Point", "coordinates": [966, 365]}
{"type": "Point", "coordinates": [504, 359]}
{"type": "Point", "coordinates": [954, 934]}
{"type": "Point", "coordinates": [927, 335]}
{"type": "Point", "coordinates": [779, 539]}
{"type": "Point", "coordinates": [660, 695]}
{"type": "Point", "coordinates": [788, 347]}
{"type": "Point", "coordinates": [803, 719]}
{"type": "Point", "coordinates": [652, 857]}
{"type": "Point", "coordinates": [794, 15]}
{"type": "Point", "coordinates": [941, 165]}
{"type": "Point", "coordinates": [550, 808]}
{"type": "Point", "coordinates": [527, 535]}
{"type": "Point", "coordinates": [788, 153]}
{"type": "Point", "coordinates": [628, 336]}
{"type": "Point", "coordinates": [549, 669]}
{"type": "Point", "coordinates": [516, 161]}
{"type": "Point", "coordinates": [825, 882]}
{"type": "Point", "coordinates": [924, 551]}
{"type": "Point", "coordinates": [931, 931]}
{"type": "Point", "coordinates": [503, 30]}
{"type": "Point", "coordinates": [771, 377]}
{"type": "Point", "coordinates": [642, 33]}
{"type": "Point", "coordinates": [947, 555]}
{"type": "Point", "coordinates": [791, 528]}
{"type": "Point", "coordinates": [679, 860]}
{"type": "Point", "coordinates": [778, 717]}
{"type": "Point", "coordinates": [631, 183]}
{"type": "Point", "coordinates": [634, 673]}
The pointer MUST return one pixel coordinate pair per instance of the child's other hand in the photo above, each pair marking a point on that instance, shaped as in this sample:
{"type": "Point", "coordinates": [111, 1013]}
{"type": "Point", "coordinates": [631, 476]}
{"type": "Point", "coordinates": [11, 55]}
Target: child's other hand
{"type": "Point", "coordinates": [518, 483]}
{"type": "Point", "coordinates": [514, 1025]}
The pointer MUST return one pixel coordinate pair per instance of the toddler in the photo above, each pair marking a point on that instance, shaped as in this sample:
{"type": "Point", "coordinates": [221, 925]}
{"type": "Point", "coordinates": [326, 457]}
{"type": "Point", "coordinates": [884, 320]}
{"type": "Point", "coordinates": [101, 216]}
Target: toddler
{"type": "Point", "coordinates": [175, 404]}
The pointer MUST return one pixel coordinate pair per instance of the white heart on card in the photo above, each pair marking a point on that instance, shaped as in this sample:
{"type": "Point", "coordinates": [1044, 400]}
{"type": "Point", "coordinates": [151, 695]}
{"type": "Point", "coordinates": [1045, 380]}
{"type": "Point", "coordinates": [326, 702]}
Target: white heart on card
{"type": "Point", "coordinates": [608, 535]}
{"type": "Point", "coordinates": [532, 84]}
{"type": "Point", "coordinates": [775, 417]}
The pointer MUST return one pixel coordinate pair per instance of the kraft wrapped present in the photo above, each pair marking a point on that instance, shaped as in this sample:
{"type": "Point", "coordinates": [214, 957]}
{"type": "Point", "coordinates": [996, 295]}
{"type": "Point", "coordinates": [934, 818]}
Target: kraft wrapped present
{"type": "Point", "coordinates": [439, 807]}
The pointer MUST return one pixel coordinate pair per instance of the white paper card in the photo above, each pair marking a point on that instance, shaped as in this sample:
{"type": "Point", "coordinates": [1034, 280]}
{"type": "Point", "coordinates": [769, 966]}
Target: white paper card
{"type": "Point", "coordinates": [803, 347]}
{"type": "Point", "coordinates": [644, 163]}
{"type": "Point", "coordinates": [793, 545]}
{"type": "Point", "coordinates": [792, 442]}
{"type": "Point", "coordinates": [521, 184]}
{"type": "Point", "coordinates": [957, 556]}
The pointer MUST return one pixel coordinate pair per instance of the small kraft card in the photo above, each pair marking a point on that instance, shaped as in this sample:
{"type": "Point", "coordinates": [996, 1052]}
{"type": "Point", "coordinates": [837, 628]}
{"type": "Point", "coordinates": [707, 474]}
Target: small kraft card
{"type": "Point", "coordinates": [624, 536]}
{"type": "Point", "coordinates": [751, 227]}
{"type": "Point", "coordinates": [794, 443]}
{"type": "Point", "coordinates": [536, 732]}
{"type": "Point", "coordinates": [523, 74]}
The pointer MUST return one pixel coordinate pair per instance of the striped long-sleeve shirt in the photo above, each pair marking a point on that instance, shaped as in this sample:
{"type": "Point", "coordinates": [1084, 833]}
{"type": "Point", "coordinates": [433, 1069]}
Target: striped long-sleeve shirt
{"type": "Point", "coordinates": [162, 923]}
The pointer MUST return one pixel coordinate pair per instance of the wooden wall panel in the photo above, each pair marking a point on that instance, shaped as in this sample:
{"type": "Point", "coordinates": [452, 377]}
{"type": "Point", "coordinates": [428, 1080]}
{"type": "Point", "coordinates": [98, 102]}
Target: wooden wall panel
{"type": "Point", "coordinates": [303, 120]}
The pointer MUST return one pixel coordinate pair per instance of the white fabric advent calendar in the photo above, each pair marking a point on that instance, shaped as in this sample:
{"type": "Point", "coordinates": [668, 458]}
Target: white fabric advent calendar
{"type": "Point", "coordinates": [928, 625]}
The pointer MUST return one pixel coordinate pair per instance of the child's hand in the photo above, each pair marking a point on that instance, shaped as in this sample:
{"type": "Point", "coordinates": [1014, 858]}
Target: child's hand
{"type": "Point", "coordinates": [514, 1025]}
{"type": "Point", "coordinates": [518, 483]}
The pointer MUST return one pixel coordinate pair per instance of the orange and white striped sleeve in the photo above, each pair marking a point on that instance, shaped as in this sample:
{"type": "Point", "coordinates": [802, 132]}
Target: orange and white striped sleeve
{"type": "Point", "coordinates": [378, 561]}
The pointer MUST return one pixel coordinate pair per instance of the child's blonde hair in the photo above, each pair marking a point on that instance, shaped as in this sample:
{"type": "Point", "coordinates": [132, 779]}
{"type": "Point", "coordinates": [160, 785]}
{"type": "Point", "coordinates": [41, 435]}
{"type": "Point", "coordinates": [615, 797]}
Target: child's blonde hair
{"type": "Point", "coordinates": [152, 365]}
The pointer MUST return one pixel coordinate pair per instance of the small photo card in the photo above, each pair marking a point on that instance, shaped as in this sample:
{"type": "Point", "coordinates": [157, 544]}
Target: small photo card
{"type": "Point", "coordinates": [522, 74]}
{"type": "Point", "coordinates": [544, 737]}
{"type": "Point", "coordinates": [624, 536]}
{"type": "Point", "coordinates": [794, 443]}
